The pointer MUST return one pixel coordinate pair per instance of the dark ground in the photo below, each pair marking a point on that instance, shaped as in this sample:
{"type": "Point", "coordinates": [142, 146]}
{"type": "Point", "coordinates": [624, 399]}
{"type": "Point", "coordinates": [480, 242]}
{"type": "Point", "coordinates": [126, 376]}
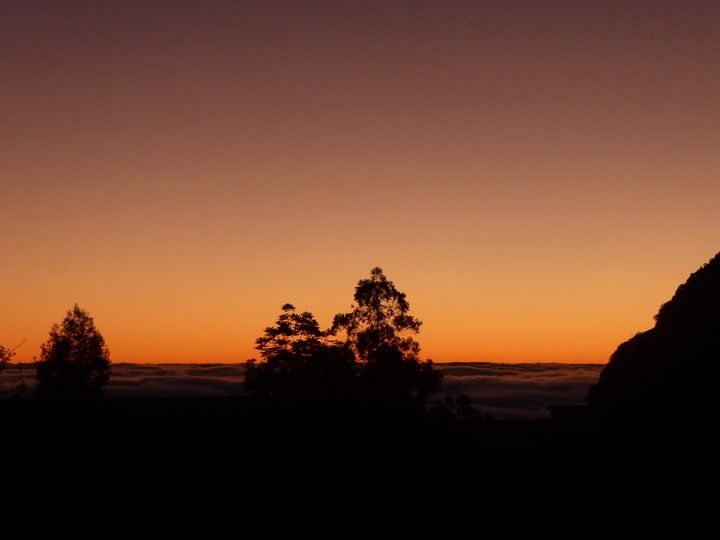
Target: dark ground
{"type": "Point", "coordinates": [160, 466]}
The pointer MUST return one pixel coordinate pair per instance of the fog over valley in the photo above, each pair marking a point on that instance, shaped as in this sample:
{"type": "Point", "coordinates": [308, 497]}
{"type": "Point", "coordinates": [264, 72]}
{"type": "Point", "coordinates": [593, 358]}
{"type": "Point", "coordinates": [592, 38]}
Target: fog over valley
{"type": "Point", "coordinates": [504, 391]}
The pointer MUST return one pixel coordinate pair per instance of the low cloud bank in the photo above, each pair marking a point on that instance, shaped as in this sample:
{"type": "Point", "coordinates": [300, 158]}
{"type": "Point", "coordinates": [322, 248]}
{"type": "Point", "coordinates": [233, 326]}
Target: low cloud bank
{"type": "Point", "coordinates": [519, 391]}
{"type": "Point", "coordinates": [130, 380]}
{"type": "Point", "coordinates": [504, 391]}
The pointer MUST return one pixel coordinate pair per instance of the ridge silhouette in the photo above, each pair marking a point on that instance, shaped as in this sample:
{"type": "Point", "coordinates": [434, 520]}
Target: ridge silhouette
{"type": "Point", "coordinates": [674, 366]}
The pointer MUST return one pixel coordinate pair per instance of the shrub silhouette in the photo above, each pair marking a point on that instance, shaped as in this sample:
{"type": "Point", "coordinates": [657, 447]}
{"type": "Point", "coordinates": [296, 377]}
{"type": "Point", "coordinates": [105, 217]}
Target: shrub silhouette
{"type": "Point", "coordinates": [457, 408]}
{"type": "Point", "coordinates": [676, 363]}
{"type": "Point", "coordinates": [6, 355]}
{"type": "Point", "coordinates": [74, 362]}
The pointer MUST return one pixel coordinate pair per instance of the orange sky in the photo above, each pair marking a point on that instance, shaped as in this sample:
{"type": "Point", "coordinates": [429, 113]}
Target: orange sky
{"type": "Point", "coordinates": [537, 176]}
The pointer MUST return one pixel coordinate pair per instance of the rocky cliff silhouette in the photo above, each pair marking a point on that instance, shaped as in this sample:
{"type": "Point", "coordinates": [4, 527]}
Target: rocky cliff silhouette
{"type": "Point", "coordinates": [674, 366]}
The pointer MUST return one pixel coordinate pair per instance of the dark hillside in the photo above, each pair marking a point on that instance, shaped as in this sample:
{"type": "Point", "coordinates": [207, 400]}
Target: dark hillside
{"type": "Point", "coordinates": [674, 367]}
{"type": "Point", "coordinates": [168, 463]}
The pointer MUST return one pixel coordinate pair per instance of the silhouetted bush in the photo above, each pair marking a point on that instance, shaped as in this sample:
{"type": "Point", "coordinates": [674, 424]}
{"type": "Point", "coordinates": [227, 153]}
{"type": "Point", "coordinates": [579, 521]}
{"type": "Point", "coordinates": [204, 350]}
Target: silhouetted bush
{"type": "Point", "coordinates": [457, 408]}
{"type": "Point", "coordinates": [74, 362]}
{"type": "Point", "coordinates": [20, 389]}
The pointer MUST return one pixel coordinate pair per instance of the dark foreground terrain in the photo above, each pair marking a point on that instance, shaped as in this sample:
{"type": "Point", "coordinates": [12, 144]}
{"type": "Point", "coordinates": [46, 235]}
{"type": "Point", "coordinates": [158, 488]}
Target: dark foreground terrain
{"type": "Point", "coordinates": [162, 466]}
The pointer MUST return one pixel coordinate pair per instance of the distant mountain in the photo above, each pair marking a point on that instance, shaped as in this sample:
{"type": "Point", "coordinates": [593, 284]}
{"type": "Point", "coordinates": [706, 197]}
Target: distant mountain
{"type": "Point", "coordinates": [674, 366]}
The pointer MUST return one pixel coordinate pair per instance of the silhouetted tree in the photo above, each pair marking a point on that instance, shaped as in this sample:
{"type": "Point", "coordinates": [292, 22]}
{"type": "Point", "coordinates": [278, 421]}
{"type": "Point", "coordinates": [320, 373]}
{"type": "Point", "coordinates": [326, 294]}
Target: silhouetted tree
{"type": "Point", "coordinates": [5, 356]}
{"type": "Point", "coordinates": [299, 359]}
{"type": "Point", "coordinates": [74, 362]}
{"type": "Point", "coordinates": [380, 332]}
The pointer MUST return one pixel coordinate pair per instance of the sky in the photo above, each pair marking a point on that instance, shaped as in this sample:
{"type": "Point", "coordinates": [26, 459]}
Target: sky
{"type": "Point", "coordinates": [537, 176]}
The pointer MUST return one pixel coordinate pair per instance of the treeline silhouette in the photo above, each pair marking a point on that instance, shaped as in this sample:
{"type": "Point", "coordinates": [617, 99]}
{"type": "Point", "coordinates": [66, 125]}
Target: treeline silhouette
{"type": "Point", "coordinates": [368, 352]}
{"type": "Point", "coordinates": [275, 464]}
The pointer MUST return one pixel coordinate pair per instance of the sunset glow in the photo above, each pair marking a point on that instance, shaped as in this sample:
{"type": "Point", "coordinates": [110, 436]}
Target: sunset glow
{"type": "Point", "coordinates": [537, 177]}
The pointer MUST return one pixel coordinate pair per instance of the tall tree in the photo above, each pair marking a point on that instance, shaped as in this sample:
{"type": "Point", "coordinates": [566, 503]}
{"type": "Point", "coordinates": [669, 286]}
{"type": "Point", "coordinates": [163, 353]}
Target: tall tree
{"type": "Point", "coordinates": [379, 319]}
{"type": "Point", "coordinates": [74, 362]}
{"type": "Point", "coordinates": [379, 330]}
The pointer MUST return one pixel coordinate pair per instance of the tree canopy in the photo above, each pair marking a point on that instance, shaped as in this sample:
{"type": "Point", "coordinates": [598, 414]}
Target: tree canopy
{"type": "Point", "coordinates": [369, 352]}
{"type": "Point", "coordinates": [298, 359]}
{"type": "Point", "coordinates": [74, 362]}
{"type": "Point", "coordinates": [379, 319]}
{"type": "Point", "coordinates": [380, 331]}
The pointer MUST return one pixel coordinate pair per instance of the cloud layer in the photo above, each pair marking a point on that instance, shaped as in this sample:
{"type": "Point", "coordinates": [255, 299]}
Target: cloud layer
{"type": "Point", "coordinates": [518, 391]}
{"type": "Point", "coordinates": [504, 391]}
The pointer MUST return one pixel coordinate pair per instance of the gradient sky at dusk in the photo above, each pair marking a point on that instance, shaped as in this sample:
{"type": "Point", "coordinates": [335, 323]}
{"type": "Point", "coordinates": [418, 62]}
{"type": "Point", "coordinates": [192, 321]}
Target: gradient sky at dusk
{"type": "Point", "coordinates": [537, 176]}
